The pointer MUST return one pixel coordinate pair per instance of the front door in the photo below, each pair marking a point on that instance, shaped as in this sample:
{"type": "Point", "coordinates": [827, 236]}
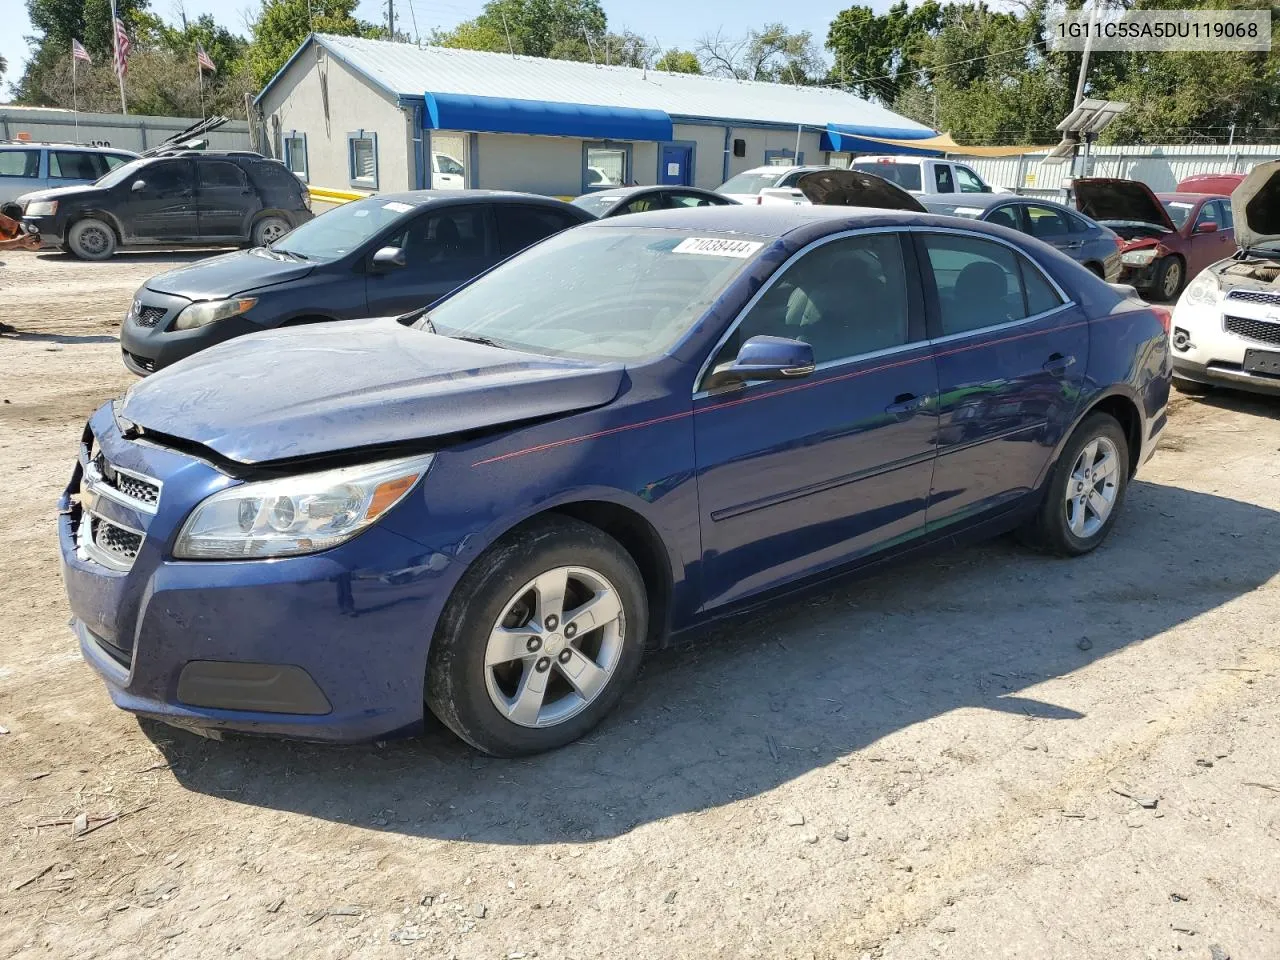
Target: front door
{"type": "Point", "coordinates": [798, 476]}
{"type": "Point", "coordinates": [163, 208]}
{"type": "Point", "coordinates": [442, 250]}
{"type": "Point", "coordinates": [1011, 357]}
{"type": "Point", "coordinates": [676, 165]}
{"type": "Point", "coordinates": [1212, 237]}
{"type": "Point", "coordinates": [225, 202]}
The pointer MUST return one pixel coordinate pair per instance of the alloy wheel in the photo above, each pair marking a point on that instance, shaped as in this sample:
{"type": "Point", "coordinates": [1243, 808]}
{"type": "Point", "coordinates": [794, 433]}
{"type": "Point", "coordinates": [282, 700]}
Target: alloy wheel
{"type": "Point", "coordinates": [1172, 280]}
{"type": "Point", "coordinates": [273, 231]}
{"type": "Point", "coordinates": [1092, 488]}
{"type": "Point", "coordinates": [555, 646]}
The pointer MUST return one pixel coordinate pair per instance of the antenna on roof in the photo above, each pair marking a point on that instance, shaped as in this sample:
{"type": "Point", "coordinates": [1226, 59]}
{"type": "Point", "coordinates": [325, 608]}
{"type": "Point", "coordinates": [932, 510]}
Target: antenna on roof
{"type": "Point", "coordinates": [510, 49]}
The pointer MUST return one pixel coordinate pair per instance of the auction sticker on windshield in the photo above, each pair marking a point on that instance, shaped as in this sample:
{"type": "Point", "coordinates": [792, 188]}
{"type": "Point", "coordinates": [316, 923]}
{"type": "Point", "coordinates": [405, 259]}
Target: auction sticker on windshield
{"type": "Point", "coordinates": [715, 247]}
{"type": "Point", "coordinates": [395, 206]}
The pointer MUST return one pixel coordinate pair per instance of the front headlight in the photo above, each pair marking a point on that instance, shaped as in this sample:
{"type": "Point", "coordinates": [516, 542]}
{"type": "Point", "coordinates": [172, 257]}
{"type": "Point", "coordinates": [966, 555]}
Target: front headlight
{"type": "Point", "coordinates": [199, 314]}
{"type": "Point", "coordinates": [41, 208]}
{"type": "Point", "coordinates": [1138, 258]}
{"type": "Point", "coordinates": [296, 515]}
{"type": "Point", "coordinates": [1204, 290]}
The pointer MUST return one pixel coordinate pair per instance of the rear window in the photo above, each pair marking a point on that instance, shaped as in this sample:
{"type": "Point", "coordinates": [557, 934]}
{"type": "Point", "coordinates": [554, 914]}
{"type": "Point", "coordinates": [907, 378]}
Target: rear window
{"type": "Point", "coordinates": [19, 163]}
{"type": "Point", "coordinates": [905, 175]}
{"type": "Point", "coordinates": [749, 183]}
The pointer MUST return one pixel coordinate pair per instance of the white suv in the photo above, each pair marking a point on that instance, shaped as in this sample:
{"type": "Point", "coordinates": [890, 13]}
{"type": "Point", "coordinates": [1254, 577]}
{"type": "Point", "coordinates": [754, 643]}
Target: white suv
{"type": "Point", "coordinates": [1226, 325]}
{"type": "Point", "coordinates": [925, 175]}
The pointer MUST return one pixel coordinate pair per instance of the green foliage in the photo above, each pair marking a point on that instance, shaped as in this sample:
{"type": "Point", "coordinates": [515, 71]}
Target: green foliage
{"type": "Point", "coordinates": [771, 53]}
{"type": "Point", "coordinates": [561, 29]}
{"type": "Point", "coordinates": [282, 25]}
{"type": "Point", "coordinates": [679, 61]}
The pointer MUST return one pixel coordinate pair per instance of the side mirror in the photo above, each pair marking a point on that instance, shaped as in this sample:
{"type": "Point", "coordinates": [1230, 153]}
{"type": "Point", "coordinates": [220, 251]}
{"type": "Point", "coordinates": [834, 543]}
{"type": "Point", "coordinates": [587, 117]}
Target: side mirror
{"type": "Point", "coordinates": [765, 358]}
{"type": "Point", "coordinates": [138, 186]}
{"type": "Point", "coordinates": [1207, 228]}
{"type": "Point", "coordinates": [389, 258]}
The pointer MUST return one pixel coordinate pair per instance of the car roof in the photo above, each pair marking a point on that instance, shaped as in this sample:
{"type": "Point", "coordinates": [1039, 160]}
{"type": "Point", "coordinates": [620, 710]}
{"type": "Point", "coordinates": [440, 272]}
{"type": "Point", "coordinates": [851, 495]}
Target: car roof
{"type": "Point", "coordinates": [1191, 197]}
{"type": "Point", "coordinates": [781, 170]}
{"type": "Point", "coordinates": [773, 221]}
{"type": "Point", "coordinates": [980, 200]}
{"type": "Point", "coordinates": [419, 197]}
{"type": "Point", "coordinates": [621, 192]}
{"type": "Point", "coordinates": [43, 144]}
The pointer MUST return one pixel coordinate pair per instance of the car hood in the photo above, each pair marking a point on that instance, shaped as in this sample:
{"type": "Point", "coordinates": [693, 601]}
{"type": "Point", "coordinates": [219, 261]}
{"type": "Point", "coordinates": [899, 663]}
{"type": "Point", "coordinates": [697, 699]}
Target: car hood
{"type": "Point", "coordinates": [305, 391]}
{"type": "Point", "coordinates": [853, 188]}
{"type": "Point", "coordinates": [229, 274]}
{"type": "Point", "coordinates": [1128, 200]}
{"type": "Point", "coordinates": [1255, 206]}
{"type": "Point", "coordinates": [57, 193]}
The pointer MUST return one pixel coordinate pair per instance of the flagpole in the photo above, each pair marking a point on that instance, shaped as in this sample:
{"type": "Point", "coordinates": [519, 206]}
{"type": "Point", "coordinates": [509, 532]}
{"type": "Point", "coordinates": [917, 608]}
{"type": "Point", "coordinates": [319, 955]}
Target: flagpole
{"type": "Point", "coordinates": [115, 44]}
{"type": "Point", "coordinates": [200, 74]}
{"type": "Point", "coordinates": [75, 104]}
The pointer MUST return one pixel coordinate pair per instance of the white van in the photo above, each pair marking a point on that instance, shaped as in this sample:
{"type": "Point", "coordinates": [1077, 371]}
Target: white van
{"type": "Point", "coordinates": [925, 175]}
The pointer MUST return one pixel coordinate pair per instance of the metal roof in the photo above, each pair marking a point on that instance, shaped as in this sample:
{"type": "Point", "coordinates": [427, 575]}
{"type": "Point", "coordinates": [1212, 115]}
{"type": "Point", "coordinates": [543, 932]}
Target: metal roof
{"type": "Point", "coordinates": [406, 70]}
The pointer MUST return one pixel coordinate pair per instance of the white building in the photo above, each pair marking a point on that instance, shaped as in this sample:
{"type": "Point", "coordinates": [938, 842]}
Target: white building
{"type": "Point", "coordinates": [347, 113]}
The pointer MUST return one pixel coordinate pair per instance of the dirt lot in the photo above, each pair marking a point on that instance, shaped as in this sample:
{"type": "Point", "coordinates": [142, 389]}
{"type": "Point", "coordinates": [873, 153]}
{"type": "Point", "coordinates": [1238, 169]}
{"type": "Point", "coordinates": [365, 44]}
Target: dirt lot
{"type": "Point", "coordinates": [930, 762]}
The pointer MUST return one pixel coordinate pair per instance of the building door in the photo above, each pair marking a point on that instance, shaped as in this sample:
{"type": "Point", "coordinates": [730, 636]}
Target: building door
{"type": "Point", "coordinates": [676, 165]}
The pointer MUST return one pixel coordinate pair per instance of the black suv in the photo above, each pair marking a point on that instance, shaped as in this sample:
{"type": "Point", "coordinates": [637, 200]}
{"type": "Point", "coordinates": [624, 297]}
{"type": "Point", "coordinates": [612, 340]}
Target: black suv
{"type": "Point", "coordinates": [174, 198]}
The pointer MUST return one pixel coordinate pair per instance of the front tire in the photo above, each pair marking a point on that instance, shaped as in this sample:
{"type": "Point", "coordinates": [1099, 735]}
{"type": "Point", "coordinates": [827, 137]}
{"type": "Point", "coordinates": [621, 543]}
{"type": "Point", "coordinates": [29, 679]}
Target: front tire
{"type": "Point", "coordinates": [92, 239]}
{"type": "Point", "coordinates": [1169, 277]}
{"type": "Point", "coordinates": [540, 639]}
{"type": "Point", "coordinates": [1086, 491]}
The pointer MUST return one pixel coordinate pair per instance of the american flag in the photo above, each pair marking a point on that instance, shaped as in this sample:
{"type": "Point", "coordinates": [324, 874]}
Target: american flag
{"type": "Point", "coordinates": [205, 61]}
{"type": "Point", "coordinates": [122, 50]}
{"type": "Point", "coordinates": [78, 52]}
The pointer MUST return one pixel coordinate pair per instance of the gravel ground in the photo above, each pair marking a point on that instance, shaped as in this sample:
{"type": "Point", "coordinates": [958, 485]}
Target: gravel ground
{"type": "Point", "coordinates": [982, 754]}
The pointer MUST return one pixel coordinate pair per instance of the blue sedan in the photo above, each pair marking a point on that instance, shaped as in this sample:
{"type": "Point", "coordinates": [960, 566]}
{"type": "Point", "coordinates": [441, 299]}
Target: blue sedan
{"type": "Point", "coordinates": [490, 510]}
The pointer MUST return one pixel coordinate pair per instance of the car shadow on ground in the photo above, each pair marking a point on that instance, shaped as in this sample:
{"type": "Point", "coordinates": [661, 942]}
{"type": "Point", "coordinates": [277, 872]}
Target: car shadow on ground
{"type": "Point", "coordinates": [9, 333]}
{"type": "Point", "coordinates": [761, 700]}
{"type": "Point", "coordinates": [134, 256]}
{"type": "Point", "coordinates": [1253, 404]}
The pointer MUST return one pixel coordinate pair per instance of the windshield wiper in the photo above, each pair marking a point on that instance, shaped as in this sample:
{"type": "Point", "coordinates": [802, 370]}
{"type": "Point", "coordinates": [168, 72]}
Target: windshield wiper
{"type": "Point", "coordinates": [291, 253]}
{"type": "Point", "coordinates": [474, 338]}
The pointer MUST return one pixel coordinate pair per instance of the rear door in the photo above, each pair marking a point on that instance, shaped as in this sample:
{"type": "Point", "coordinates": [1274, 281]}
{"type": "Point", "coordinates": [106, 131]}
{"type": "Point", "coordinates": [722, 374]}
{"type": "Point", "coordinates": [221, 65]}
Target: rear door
{"type": "Point", "coordinates": [443, 249]}
{"type": "Point", "coordinates": [225, 202]}
{"type": "Point", "coordinates": [19, 173]}
{"type": "Point", "coordinates": [163, 208]}
{"type": "Point", "coordinates": [1011, 352]}
{"type": "Point", "coordinates": [798, 476]}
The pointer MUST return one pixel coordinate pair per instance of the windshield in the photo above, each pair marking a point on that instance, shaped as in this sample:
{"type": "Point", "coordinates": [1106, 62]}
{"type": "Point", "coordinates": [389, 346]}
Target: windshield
{"type": "Point", "coordinates": [905, 175]}
{"type": "Point", "coordinates": [595, 203]}
{"type": "Point", "coordinates": [1178, 210]}
{"type": "Point", "coordinates": [121, 173]}
{"type": "Point", "coordinates": [749, 183]}
{"type": "Point", "coordinates": [336, 233]}
{"type": "Point", "coordinates": [597, 292]}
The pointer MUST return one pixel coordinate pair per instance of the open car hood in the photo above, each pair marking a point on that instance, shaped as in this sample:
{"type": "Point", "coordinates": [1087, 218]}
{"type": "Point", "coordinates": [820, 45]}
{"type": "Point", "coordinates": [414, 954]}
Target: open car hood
{"type": "Point", "coordinates": [306, 391]}
{"type": "Point", "coordinates": [1255, 206]}
{"type": "Point", "coordinates": [853, 188]}
{"type": "Point", "coordinates": [1129, 200]}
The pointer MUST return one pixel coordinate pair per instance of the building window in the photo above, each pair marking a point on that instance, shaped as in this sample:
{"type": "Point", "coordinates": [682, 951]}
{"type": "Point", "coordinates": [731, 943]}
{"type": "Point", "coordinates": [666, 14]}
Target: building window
{"type": "Point", "coordinates": [783, 158]}
{"type": "Point", "coordinates": [295, 153]}
{"type": "Point", "coordinates": [362, 159]}
{"type": "Point", "coordinates": [605, 165]}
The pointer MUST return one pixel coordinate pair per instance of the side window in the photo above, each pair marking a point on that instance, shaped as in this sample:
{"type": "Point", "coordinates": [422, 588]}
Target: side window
{"type": "Point", "coordinates": [1208, 214]}
{"type": "Point", "coordinates": [19, 163]}
{"type": "Point", "coordinates": [1005, 216]}
{"type": "Point", "coordinates": [271, 177]}
{"type": "Point", "coordinates": [981, 284]}
{"type": "Point", "coordinates": [74, 165]}
{"type": "Point", "coordinates": [1046, 223]}
{"type": "Point", "coordinates": [1077, 225]}
{"type": "Point", "coordinates": [454, 235]}
{"type": "Point", "coordinates": [1227, 222]}
{"type": "Point", "coordinates": [643, 204]}
{"type": "Point", "coordinates": [219, 174]}
{"type": "Point", "coordinates": [942, 178]}
{"type": "Point", "coordinates": [679, 200]}
{"type": "Point", "coordinates": [968, 180]}
{"type": "Point", "coordinates": [521, 226]}
{"type": "Point", "coordinates": [844, 298]}
{"type": "Point", "coordinates": [168, 176]}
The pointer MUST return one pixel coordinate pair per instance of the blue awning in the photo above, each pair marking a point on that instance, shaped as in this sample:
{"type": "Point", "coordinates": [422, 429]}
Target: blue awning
{"type": "Point", "coordinates": [457, 111]}
{"type": "Point", "coordinates": [840, 138]}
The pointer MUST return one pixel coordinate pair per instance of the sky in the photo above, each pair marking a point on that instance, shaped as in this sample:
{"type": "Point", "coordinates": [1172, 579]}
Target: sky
{"type": "Point", "coordinates": [667, 23]}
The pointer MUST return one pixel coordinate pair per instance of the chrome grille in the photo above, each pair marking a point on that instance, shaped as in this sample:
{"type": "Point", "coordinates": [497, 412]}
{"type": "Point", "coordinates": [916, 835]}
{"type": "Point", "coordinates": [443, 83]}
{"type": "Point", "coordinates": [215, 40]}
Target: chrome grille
{"type": "Point", "coordinates": [149, 316]}
{"type": "Point", "coordinates": [117, 483]}
{"type": "Point", "coordinates": [1254, 296]}
{"type": "Point", "coordinates": [1262, 331]}
{"type": "Point", "coordinates": [116, 541]}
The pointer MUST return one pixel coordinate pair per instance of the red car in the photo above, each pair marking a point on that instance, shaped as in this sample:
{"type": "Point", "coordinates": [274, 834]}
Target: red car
{"type": "Point", "coordinates": [1168, 236]}
{"type": "Point", "coordinates": [1215, 183]}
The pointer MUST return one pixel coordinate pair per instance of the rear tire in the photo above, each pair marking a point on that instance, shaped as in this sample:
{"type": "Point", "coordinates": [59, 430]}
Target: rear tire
{"type": "Point", "coordinates": [1084, 495]}
{"type": "Point", "coordinates": [92, 239]}
{"type": "Point", "coordinates": [268, 230]}
{"type": "Point", "coordinates": [518, 665]}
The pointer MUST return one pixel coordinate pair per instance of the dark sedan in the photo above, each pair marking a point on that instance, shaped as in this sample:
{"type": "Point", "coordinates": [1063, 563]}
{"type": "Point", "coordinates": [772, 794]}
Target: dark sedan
{"type": "Point", "coordinates": [374, 257]}
{"type": "Point", "coordinates": [1075, 235]}
{"type": "Point", "coordinates": [631, 429]}
{"type": "Point", "coordinates": [620, 200]}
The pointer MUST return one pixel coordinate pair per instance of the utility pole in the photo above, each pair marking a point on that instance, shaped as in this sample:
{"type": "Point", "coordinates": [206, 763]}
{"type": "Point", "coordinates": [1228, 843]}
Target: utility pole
{"type": "Point", "coordinates": [391, 19]}
{"type": "Point", "coordinates": [1084, 72]}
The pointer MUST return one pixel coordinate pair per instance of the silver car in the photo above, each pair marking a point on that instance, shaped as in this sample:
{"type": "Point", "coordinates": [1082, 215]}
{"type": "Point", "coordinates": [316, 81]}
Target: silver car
{"type": "Point", "coordinates": [25, 167]}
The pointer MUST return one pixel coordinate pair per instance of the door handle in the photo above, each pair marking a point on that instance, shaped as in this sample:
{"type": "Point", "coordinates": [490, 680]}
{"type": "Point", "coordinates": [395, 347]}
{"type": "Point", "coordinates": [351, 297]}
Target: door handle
{"type": "Point", "coordinates": [1057, 364]}
{"type": "Point", "coordinates": [905, 404]}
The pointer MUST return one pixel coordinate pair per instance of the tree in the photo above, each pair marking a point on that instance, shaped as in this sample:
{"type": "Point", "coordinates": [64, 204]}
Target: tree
{"type": "Point", "coordinates": [282, 25]}
{"type": "Point", "coordinates": [679, 61]}
{"type": "Point", "coordinates": [878, 56]}
{"type": "Point", "coordinates": [771, 53]}
{"type": "Point", "coordinates": [560, 29]}
{"type": "Point", "coordinates": [89, 21]}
